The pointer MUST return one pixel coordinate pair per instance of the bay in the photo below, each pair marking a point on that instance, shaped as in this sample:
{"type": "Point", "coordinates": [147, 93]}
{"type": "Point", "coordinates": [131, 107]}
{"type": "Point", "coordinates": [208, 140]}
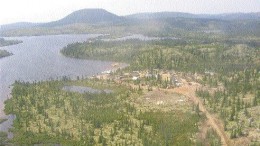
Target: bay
{"type": "Point", "coordinates": [38, 58]}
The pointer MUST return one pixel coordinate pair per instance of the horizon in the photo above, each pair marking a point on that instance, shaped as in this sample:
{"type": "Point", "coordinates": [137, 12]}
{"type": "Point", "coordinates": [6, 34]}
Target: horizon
{"type": "Point", "coordinates": [41, 11]}
{"type": "Point", "coordinates": [148, 12]}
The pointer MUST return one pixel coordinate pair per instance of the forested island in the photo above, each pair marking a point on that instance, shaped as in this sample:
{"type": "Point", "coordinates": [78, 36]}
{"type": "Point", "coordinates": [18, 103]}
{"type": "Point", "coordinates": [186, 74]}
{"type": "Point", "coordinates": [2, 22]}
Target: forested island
{"type": "Point", "coordinates": [3, 42]}
{"type": "Point", "coordinates": [4, 53]}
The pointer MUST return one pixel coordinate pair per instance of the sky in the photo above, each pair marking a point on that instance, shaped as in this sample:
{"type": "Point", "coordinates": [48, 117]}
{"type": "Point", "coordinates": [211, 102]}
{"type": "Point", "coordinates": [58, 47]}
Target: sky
{"type": "Point", "coordinates": [49, 10]}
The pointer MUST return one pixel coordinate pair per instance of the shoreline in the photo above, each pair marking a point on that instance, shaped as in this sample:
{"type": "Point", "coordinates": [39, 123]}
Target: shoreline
{"type": "Point", "coordinates": [66, 66]}
{"type": "Point", "coordinates": [7, 124]}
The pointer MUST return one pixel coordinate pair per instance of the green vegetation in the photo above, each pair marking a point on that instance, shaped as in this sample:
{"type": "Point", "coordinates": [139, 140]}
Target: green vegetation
{"type": "Point", "coordinates": [222, 56]}
{"type": "Point", "coordinates": [179, 55]}
{"type": "Point", "coordinates": [167, 127]}
{"type": "Point", "coordinates": [46, 114]}
{"type": "Point", "coordinates": [177, 27]}
{"type": "Point", "coordinates": [4, 42]}
{"type": "Point", "coordinates": [182, 25]}
{"type": "Point", "coordinates": [229, 71]}
{"type": "Point", "coordinates": [214, 139]}
{"type": "Point", "coordinates": [4, 53]}
{"type": "Point", "coordinates": [3, 138]}
{"type": "Point", "coordinates": [99, 50]}
{"type": "Point", "coordinates": [211, 139]}
{"type": "Point", "coordinates": [2, 120]}
{"type": "Point", "coordinates": [236, 104]}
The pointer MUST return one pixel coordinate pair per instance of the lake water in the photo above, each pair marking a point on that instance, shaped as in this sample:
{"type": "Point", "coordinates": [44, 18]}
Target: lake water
{"type": "Point", "coordinates": [38, 58]}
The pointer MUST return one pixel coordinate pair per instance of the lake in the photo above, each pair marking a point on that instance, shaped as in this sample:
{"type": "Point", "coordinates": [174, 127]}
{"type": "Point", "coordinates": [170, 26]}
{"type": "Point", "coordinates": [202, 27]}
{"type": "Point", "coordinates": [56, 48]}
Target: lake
{"type": "Point", "coordinates": [38, 58]}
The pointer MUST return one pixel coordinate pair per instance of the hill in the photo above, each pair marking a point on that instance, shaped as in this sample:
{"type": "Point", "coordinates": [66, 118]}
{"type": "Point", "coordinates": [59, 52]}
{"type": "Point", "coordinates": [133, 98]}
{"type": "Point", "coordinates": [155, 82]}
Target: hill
{"type": "Point", "coordinates": [160, 15]}
{"type": "Point", "coordinates": [88, 16]}
{"type": "Point", "coordinates": [18, 25]}
{"type": "Point", "coordinates": [174, 24]}
{"type": "Point", "coordinates": [226, 16]}
{"type": "Point", "coordinates": [235, 16]}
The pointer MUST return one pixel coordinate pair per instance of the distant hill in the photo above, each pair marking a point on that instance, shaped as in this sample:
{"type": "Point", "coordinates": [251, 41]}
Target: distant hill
{"type": "Point", "coordinates": [89, 16]}
{"type": "Point", "coordinates": [155, 24]}
{"type": "Point", "coordinates": [19, 25]}
{"type": "Point", "coordinates": [159, 15]}
{"type": "Point", "coordinates": [234, 16]}
{"type": "Point", "coordinates": [228, 16]}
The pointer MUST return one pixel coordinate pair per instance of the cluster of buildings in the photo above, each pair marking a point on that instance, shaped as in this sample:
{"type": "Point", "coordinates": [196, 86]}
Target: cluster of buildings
{"type": "Point", "coordinates": [170, 76]}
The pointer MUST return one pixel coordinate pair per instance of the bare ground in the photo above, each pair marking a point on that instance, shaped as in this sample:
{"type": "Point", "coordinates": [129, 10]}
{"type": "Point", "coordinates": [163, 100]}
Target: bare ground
{"type": "Point", "coordinates": [212, 121]}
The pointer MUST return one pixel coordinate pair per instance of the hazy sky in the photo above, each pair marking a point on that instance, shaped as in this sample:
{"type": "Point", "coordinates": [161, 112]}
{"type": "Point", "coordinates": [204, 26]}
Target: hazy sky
{"type": "Point", "coordinates": [48, 10]}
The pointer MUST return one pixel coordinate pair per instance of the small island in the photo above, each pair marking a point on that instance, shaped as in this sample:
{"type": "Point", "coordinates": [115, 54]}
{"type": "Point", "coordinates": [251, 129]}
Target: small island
{"type": "Point", "coordinates": [3, 42]}
{"type": "Point", "coordinates": [4, 53]}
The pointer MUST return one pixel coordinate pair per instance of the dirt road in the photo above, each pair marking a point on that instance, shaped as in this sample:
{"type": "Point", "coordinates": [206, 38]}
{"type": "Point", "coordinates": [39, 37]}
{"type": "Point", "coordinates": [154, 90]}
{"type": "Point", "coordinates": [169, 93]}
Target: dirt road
{"type": "Point", "coordinates": [215, 123]}
{"type": "Point", "coordinates": [189, 91]}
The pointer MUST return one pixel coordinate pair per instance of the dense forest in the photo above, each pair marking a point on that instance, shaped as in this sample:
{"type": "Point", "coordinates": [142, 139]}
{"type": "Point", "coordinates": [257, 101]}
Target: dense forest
{"type": "Point", "coordinates": [170, 54]}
